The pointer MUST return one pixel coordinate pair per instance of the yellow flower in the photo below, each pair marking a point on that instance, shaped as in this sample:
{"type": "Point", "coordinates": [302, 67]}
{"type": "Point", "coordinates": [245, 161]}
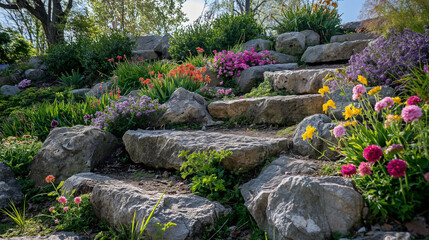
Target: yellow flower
{"type": "Point", "coordinates": [356, 111]}
{"type": "Point", "coordinates": [362, 80]}
{"type": "Point", "coordinates": [346, 124]}
{"type": "Point", "coordinates": [348, 112]}
{"type": "Point", "coordinates": [354, 123]}
{"type": "Point", "coordinates": [374, 91]}
{"type": "Point", "coordinates": [323, 90]}
{"type": "Point", "coordinates": [334, 4]}
{"type": "Point", "coordinates": [329, 103]}
{"type": "Point", "coordinates": [308, 133]}
{"type": "Point", "coordinates": [397, 100]}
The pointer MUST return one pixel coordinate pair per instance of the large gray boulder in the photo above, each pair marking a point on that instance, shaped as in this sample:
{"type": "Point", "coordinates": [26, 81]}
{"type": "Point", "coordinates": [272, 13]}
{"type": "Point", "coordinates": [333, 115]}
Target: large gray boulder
{"type": "Point", "coordinates": [250, 77]}
{"type": "Point", "coordinates": [305, 81]}
{"type": "Point", "coordinates": [312, 38]}
{"type": "Point", "coordinates": [165, 46]}
{"type": "Point", "coordinates": [290, 43]}
{"type": "Point", "coordinates": [99, 89]}
{"type": "Point", "coordinates": [385, 236]}
{"type": "Point", "coordinates": [9, 187]}
{"type": "Point", "coordinates": [281, 58]}
{"type": "Point", "coordinates": [352, 37]}
{"type": "Point", "coordinates": [351, 26]}
{"type": "Point", "coordinates": [186, 107]}
{"type": "Point", "coordinates": [79, 92]}
{"type": "Point", "coordinates": [9, 90]}
{"type": "Point", "coordinates": [68, 151]}
{"type": "Point", "coordinates": [34, 74]}
{"type": "Point", "coordinates": [83, 183]}
{"type": "Point", "coordinates": [301, 207]}
{"type": "Point", "coordinates": [146, 55]}
{"type": "Point", "coordinates": [323, 125]}
{"type": "Point", "coordinates": [54, 236]}
{"type": "Point", "coordinates": [333, 51]}
{"type": "Point", "coordinates": [153, 43]}
{"type": "Point", "coordinates": [284, 110]}
{"type": "Point", "coordinates": [162, 148]}
{"type": "Point", "coordinates": [257, 44]}
{"type": "Point", "coordinates": [117, 202]}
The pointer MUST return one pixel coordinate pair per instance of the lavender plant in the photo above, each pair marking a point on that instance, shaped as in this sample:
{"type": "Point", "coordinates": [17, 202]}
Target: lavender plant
{"type": "Point", "coordinates": [129, 114]}
{"type": "Point", "coordinates": [388, 59]}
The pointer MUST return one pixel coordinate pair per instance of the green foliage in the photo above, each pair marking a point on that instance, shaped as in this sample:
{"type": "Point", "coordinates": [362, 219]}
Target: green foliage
{"type": "Point", "coordinates": [88, 56]}
{"type": "Point", "coordinates": [13, 48]}
{"type": "Point", "coordinates": [264, 89]}
{"type": "Point", "coordinates": [18, 153]}
{"type": "Point", "coordinates": [416, 83]}
{"type": "Point", "coordinates": [289, 131]}
{"type": "Point", "coordinates": [74, 80]}
{"type": "Point", "coordinates": [16, 215]}
{"type": "Point", "coordinates": [29, 97]}
{"type": "Point", "coordinates": [199, 60]}
{"type": "Point", "coordinates": [36, 120]}
{"type": "Point", "coordinates": [209, 178]}
{"type": "Point", "coordinates": [225, 32]}
{"type": "Point", "coordinates": [129, 73]}
{"type": "Point", "coordinates": [306, 15]}
{"type": "Point", "coordinates": [163, 228]}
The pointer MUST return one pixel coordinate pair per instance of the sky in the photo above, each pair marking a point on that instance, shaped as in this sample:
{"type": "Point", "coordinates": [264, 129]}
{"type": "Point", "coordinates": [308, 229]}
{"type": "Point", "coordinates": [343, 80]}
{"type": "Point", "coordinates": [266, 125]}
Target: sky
{"type": "Point", "coordinates": [350, 9]}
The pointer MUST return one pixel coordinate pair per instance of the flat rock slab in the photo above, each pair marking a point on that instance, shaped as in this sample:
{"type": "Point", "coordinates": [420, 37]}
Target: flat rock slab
{"type": "Point", "coordinates": [333, 51]}
{"type": "Point", "coordinates": [252, 76]}
{"type": "Point", "coordinates": [352, 37]}
{"type": "Point", "coordinates": [55, 236]}
{"type": "Point", "coordinates": [284, 110]}
{"type": "Point", "coordinates": [116, 202]}
{"type": "Point", "coordinates": [306, 81]}
{"type": "Point", "coordinates": [162, 148]}
{"type": "Point", "coordinates": [301, 207]}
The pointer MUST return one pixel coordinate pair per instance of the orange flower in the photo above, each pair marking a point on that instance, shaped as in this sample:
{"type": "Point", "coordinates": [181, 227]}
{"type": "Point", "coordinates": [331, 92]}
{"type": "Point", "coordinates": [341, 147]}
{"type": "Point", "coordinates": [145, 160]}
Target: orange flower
{"type": "Point", "coordinates": [151, 73]}
{"type": "Point", "coordinates": [160, 75]}
{"type": "Point", "coordinates": [119, 91]}
{"type": "Point", "coordinates": [98, 102]}
{"type": "Point", "coordinates": [110, 93]}
{"type": "Point", "coordinates": [141, 79]}
{"type": "Point", "coordinates": [50, 179]}
{"type": "Point", "coordinates": [146, 81]}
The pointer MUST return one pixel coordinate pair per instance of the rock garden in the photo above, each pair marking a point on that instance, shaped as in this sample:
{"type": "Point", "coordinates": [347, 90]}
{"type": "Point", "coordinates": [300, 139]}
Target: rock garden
{"type": "Point", "coordinates": [220, 130]}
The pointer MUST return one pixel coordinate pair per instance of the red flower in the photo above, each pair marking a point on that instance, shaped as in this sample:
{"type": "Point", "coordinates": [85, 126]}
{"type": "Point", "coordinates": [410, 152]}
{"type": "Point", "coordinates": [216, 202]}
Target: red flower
{"type": "Point", "coordinates": [50, 179]}
{"type": "Point", "coordinates": [199, 49]}
{"type": "Point", "coordinates": [119, 57]}
{"type": "Point", "coordinates": [110, 93]}
{"type": "Point", "coordinates": [146, 81]}
{"type": "Point", "coordinates": [119, 91]}
{"type": "Point", "coordinates": [101, 87]}
{"type": "Point", "coordinates": [110, 60]}
{"type": "Point", "coordinates": [98, 102]}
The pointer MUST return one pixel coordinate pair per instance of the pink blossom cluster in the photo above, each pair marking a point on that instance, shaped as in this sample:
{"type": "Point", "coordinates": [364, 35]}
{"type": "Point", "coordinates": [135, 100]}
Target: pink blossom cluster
{"type": "Point", "coordinates": [385, 102]}
{"type": "Point", "coordinates": [358, 91]}
{"type": "Point", "coordinates": [228, 63]}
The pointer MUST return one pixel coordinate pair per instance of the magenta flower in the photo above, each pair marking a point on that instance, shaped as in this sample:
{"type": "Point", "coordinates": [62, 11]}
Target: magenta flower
{"type": "Point", "coordinates": [339, 131]}
{"type": "Point", "coordinates": [365, 168]}
{"type": "Point", "coordinates": [380, 105]}
{"type": "Point", "coordinates": [372, 153]}
{"type": "Point", "coordinates": [413, 100]}
{"type": "Point", "coordinates": [358, 91]}
{"type": "Point", "coordinates": [411, 113]}
{"type": "Point", "coordinates": [397, 168]}
{"type": "Point", "coordinates": [77, 200]}
{"type": "Point", "coordinates": [62, 200]}
{"type": "Point", "coordinates": [54, 123]}
{"type": "Point", "coordinates": [51, 209]}
{"type": "Point", "coordinates": [427, 177]}
{"type": "Point", "coordinates": [56, 221]}
{"type": "Point", "coordinates": [394, 148]}
{"type": "Point", "coordinates": [348, 170]}
{"type": "Point", "coordinates": [66, 208]}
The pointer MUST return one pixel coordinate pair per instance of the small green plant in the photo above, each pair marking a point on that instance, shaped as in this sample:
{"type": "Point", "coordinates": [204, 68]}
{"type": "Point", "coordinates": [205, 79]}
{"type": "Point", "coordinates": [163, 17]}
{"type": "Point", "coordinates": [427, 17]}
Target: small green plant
{"type": "Point", "coordinates": [16, 215]}
{"type": "Point", "coordinates": [416, 83]}
{"type": "Point", "coordinates": [74, 80]}
{"type": "Point", "coordinates": [289, 131]}
{"type": "Point", "coordinates": [163, 228]}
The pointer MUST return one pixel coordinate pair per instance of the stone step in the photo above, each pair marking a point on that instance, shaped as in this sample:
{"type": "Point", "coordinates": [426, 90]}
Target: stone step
{"type": "Point", "coordinates": [305, 81]}
{"type": "Point", "coordinates": [252, 76]}
{"type": "Point", "coordinates": [352, 37]}
{"type": "Point", "coordinates": [333, 51]}
{"type": "Point", "coordinates": [283, 110]}
{"type": "Point", "coordinates": [162, 148]}
{"type": "Point", "coordinates": [116, 202]}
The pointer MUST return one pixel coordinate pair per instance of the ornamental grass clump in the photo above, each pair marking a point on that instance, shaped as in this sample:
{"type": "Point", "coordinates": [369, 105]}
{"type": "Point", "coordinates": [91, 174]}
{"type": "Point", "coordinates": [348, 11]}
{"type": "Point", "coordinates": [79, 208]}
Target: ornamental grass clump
{"type": "Point", "coordinates": [228, 64]}
{"type": "Point", "coordinates": [390, 58]}
{"type": "Point", "coordinates": [385, 149]}
{"type": "Point", "coordinates": [161, 86]}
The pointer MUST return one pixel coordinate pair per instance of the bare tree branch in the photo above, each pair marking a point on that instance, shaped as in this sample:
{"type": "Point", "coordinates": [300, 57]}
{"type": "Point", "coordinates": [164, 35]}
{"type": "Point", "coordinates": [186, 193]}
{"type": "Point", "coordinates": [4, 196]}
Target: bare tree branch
{"type": "Point", "coordinates": [9, 6]}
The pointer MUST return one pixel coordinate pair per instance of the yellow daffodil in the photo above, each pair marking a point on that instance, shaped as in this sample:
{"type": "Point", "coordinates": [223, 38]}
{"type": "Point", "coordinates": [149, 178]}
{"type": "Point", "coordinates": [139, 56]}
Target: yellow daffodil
{"type": "Point", "coordinates": [323, 90]}
{"type": "Point", "coordinates": [397, 100]}
{"type": "Point", "coordinates": [308, 133]}
{"type": "Point", "coordinates": [362, 80]}
{"type": "Point", "coordinates": [356, 111]}
{"type": "Point", "coordinates": [348, 112]}
{"type": "Point", "coordinates": [374, 91]}
{"type": "Point", "coordinates": [329, 103]}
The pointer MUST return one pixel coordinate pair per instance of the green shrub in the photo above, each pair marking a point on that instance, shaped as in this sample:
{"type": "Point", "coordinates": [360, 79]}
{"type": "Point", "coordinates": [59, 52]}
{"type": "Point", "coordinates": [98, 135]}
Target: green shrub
{"type": "Point", "coordinates": [74, 80]}
{"type": "Point", "coordinates": [128, 74]}
{"type": "Point", "coordinates": [13, 48]}
{"type": "Point", "coordinates": [63, 58]}
{"type": "Point", "coordinates": [322, 18]}
{"type": "Point", "coordinates": [18, 153]}
{"type": "Point", "coordinates": [184, 76]}
{"type": "Point", "coordinates": [225, 32]}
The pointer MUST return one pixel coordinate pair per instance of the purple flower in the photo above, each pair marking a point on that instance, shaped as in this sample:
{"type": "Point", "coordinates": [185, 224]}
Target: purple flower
{"type": "Point", "coordinates": [54, 123]}
{"type": "Point", "coordinates": [24, 83]}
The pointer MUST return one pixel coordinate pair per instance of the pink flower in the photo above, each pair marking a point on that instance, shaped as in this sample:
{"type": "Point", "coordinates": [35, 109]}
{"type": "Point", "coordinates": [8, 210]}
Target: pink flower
{"type": "Point", "coordinates": [364, 168]}
{"type": "Point", "coordinates": [228, 91]}
{"type": "Point", "coordinates": [397, 168]}
{"type": "Point", "coordinates": [380, 105]}
{"type": "Point", "coordinates": [221, 83]}
{"type": "Point", "coordinates": [51, 209]}
{"type": "Point", "coordinates": [389, 101]}
{"type": "Point", "coordinates": [358, 91]}
{"type": "Point", "coordinates": [372, 153]}
{"type": "Point", "coordinates": [241, 97]}
{"type": "Point", "coordinates": [56, 221]}
{"type": "Point", "coordinates": [427, 177]}
{"type": "Point", "coordinates": [66, 208]}
{"type": "Point", "coordinates": [339, 131]}
{"type": "Point", "coordinates": [413, 100]}
{"type": "Point", "coordinates": [348, 170]}
{"type": "Point", "coordinates": [411, 113]}
{"type": "Point", "coordinates": [62, 200]}
{"type": "Point", "coordinates": [394, 148]}
{"type": "Point", "coordinates": [77, 200]}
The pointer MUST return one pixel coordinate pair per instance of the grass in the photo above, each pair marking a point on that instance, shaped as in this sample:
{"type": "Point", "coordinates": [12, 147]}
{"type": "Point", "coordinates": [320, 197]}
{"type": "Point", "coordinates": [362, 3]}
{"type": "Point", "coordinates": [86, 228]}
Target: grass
{"type": "Point", "coordinates": [289, 131]}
